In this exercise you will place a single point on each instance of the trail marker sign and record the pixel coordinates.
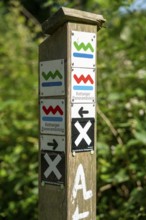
(83, 85)
(52, 116)
(83, 49)
(52, 78)
(52, 143)
(82, 134)
(83, 110)
(52, 167)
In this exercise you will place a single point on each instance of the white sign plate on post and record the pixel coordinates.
(52, 116)
(52, 143)
(83, 85)
(83, 47)
(83, 111)
(52, 78)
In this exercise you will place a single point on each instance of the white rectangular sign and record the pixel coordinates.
(83, 111)
(83, 48)
(52, 78)
(52, 143)
(83, 85)
(52, 116)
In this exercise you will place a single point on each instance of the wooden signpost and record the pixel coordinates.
(67, 97)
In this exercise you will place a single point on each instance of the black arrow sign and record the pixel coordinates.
(53, 144)
(82, 112)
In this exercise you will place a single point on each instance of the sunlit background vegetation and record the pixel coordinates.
(121, 107)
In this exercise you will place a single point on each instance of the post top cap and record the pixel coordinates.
(64, 15)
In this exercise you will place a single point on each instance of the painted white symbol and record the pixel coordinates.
(77, 215)
(52, 166)
(83, 133)
(80, 184)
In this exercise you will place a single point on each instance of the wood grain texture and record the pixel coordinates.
(67, 14)
(87, 159)
(52, 199)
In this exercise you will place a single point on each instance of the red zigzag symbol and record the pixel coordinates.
(83, 78)
(53, 110)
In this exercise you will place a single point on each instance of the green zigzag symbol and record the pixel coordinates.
(46, 76)
(83, 46)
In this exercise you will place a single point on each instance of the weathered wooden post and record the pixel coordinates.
(67, 95)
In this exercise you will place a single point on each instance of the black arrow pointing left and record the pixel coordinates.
(82, 112)
(53, 144)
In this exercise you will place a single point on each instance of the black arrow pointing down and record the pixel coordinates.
(53, 144)
(82, 112)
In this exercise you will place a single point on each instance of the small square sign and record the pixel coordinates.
(52, 143)
(52, 116)
(52, 78)
(52, 168)
(82, 134)
(83, 85)
(81, 110)
(83, 47)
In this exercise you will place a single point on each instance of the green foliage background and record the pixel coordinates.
(121, 108)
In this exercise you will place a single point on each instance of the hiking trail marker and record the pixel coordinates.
(67, 122)
(83, 49)
(83, 85)
(52, 78)
(52, 116)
